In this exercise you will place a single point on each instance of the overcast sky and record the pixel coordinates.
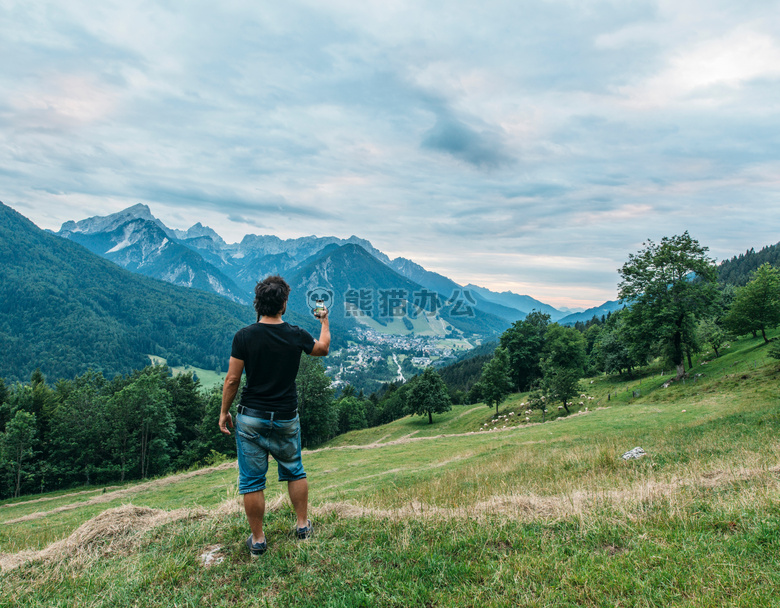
(521, 145)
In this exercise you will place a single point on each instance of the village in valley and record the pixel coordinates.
(373, 358)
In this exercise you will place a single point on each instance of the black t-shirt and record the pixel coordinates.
(271, 354)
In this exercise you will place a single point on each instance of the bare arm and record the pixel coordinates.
(322, 346)
(229, 390)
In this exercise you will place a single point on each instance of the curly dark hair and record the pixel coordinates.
(270, 296)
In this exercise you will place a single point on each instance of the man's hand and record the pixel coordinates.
(225, 420)
(322, 346)
(229, 390)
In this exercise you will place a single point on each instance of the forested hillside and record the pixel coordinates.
(65, 310)
(736, 271)
(461, 375)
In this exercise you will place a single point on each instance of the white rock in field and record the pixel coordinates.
(213, 555)
(635, 453)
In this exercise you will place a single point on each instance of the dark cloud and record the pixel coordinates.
(229, 202)
(241, 219)
(484, 149)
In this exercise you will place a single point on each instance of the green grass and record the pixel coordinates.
(208, 377)
(412, 514)
(422, 325)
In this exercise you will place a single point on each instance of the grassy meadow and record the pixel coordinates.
(208, 377)
(472, 510)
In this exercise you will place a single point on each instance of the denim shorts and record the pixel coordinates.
(255, 439)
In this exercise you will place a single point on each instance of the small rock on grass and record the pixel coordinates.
(635, 453)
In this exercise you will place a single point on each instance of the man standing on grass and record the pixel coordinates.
(267, 421)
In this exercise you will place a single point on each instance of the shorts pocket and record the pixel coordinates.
(287, 428)
(251, 432)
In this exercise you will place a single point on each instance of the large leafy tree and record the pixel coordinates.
(142, 427)
(565, 347)
(319, 418)
(5, 408)
(524, 342)
(756, 306)
(711, 333)
(78, 428)
(494, 383)
(613, 350)
(564, 362)
(561, 383)
(351, 413)
(669, 285)
(209, 441)
(187, 405)
(429, 395)
(17, 447)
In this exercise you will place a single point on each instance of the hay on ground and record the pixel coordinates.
(116, 530)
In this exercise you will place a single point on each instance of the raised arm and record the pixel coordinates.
(322, 346)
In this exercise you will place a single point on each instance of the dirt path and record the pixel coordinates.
(578, 502)
(48, 498)
(400, 377)
(409, 439)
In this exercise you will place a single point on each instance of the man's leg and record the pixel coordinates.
(299, 497)
(254, 506)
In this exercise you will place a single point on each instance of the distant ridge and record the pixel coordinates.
(66, 310)
(587, 315)
(351, 267)
(526, 304)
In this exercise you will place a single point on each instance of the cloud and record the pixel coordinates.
(431, 129)
(230, 202)
(484, 149)
(710, 72)
(537, 190)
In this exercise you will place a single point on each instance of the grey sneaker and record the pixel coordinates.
(305, 532)
(256, 549)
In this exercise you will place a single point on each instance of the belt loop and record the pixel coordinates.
(271, 419)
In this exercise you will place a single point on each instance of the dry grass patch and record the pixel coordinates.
(115, 531)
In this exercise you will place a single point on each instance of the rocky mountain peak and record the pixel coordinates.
(108, 223)
(199, 231)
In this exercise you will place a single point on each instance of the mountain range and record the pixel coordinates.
(65, 310)
(200, 258)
